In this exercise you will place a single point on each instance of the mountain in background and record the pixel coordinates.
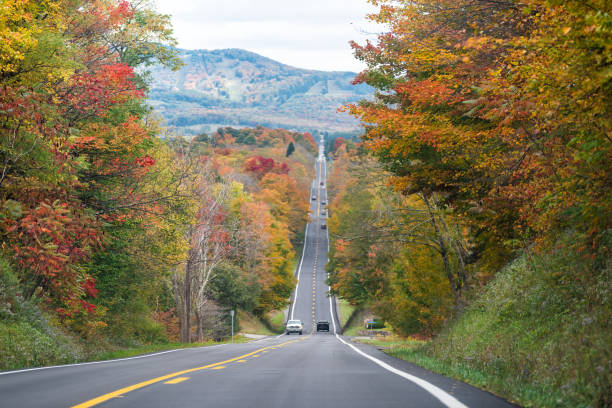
(234, 87)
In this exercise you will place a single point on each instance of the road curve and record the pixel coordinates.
(312, 370)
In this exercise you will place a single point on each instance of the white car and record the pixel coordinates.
(294, 326)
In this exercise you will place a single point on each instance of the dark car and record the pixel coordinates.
(323, 325)
(323, 226)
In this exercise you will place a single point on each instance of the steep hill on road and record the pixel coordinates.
(234, 87)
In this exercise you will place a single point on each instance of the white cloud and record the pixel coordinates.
(307, 34)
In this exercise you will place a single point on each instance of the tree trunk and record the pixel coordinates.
(199, 330)
(186, 326)
(443, 251)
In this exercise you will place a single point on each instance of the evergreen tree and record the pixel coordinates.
(290, 149)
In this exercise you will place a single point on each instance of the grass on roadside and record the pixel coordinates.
(277, 320)
(274, 323)
(415, 351)
(154, 348)
(252, 324)
(345, 310)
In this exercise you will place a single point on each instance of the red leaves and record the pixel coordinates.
(261, 166)
(87, 306)
(308, 137)
(49, 241)
(339, 142)
(90, 287)
(92, 93)
(427, 92)
(118, 15)
(145, 161)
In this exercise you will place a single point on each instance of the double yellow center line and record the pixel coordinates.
(125, 390)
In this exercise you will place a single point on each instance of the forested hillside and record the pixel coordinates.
(112, 237)
(234, 87)
(477, 210)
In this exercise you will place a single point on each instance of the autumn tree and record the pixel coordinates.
(484, 103)
(399, 256)
(75, 146)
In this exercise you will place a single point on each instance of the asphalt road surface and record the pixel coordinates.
(311, 370)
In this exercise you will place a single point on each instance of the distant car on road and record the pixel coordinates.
(294, 326)
(323, 226)
(314, 198)
(322, 325)
(323, 203)
(322, 184)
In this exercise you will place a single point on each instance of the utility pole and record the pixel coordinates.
(232, 314)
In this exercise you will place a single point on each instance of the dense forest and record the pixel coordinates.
(484, 181)
(113, 236)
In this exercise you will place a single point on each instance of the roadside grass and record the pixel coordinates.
(345, 310)
(541, 324)
(276, 318)
(355, 325)
(154, 348)
(392, 342)
(353, 329)
(272, 324)
(252, 324)
(357, 329)
(538, 334)
(525, 393)
(350, 318)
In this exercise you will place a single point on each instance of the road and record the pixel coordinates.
(312, 370)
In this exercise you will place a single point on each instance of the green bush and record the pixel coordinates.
(23, 345)
(150, 332)
(27, 338)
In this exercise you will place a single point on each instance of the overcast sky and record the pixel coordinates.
(306, 33)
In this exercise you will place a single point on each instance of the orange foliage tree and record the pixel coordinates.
(501, 107)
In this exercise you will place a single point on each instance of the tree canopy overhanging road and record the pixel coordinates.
(315, 369)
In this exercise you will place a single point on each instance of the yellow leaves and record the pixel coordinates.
(566, 30)
(20, 29)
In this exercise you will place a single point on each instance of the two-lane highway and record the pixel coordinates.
(312, 370)
(311, 302)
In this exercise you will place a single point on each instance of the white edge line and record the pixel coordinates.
(331, 309)
(107, 361)
(440, 394)
(297, 285)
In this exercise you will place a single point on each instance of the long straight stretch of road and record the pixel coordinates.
(312, 370)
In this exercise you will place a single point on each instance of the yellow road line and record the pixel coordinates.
(121, 391)
(319, 191)
(176, 380)
(241, 361)
(218, 368)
